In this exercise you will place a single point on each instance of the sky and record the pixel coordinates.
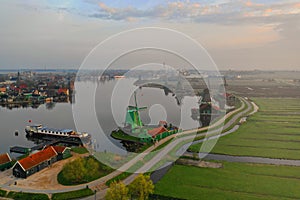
(238, 35)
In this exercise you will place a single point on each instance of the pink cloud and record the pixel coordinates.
(106, 8)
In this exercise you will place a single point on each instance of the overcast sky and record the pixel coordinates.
(241, 34)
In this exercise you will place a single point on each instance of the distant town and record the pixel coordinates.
(24, 88)
(29, 88)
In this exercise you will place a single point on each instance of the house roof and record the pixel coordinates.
(59, 149)
(163, 122)
(227, 95)
(2, 89)
(37, 158)
(4, 158)
(63, 90)
(23, 86)
(209, 106)
(203, 106)
(156, 131)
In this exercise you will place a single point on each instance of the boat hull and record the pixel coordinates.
(37, 131)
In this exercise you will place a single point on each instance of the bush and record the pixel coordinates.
(27, 196)
(2, 193)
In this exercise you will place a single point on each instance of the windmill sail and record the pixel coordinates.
(132, 116)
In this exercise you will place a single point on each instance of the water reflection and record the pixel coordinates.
(59, 114)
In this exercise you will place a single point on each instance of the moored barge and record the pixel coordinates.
(40, 130)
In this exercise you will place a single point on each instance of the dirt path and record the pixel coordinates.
(47, 178)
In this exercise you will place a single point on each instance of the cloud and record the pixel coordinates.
(223, 13)
(107, 9)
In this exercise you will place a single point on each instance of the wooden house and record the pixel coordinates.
(63, 91)
(62, 152)
(156, 134)
(5, 161)
(35, 162)
(2, 90)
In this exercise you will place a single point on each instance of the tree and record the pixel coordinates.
(74, 171)
(141, 187)
(91, 166)
(117, 191)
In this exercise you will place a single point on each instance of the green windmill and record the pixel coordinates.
(132, 115)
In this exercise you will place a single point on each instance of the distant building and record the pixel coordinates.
(38, 161)
(5, 162)
(2, 90)
(207, 113)
(156, 134)
(163, 123)
(157, 131)
(23, 86)
(63, 91)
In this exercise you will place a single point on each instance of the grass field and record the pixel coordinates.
(82, 170)
(272, 132)
(72, 195)
(233, 181)
(79, 150)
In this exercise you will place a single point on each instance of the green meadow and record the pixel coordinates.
(233, 181)
(272, 132)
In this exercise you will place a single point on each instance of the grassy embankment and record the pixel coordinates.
(72, 195)
(26, 196)
(138, 165)
(57, 196)
(79, 150)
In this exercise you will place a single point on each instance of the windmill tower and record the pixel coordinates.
(132, 115)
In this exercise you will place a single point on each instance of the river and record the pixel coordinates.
(60, 115)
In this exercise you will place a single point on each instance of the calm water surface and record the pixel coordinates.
(60, 115)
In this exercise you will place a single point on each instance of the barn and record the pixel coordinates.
(62, 152)
(35, 162)
(5, 161)
(40, 160)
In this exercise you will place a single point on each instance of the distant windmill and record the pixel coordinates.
(132, 116)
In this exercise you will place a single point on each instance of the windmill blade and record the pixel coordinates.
(132, 110)
(142, 108)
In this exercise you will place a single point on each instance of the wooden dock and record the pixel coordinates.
(49, 141)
